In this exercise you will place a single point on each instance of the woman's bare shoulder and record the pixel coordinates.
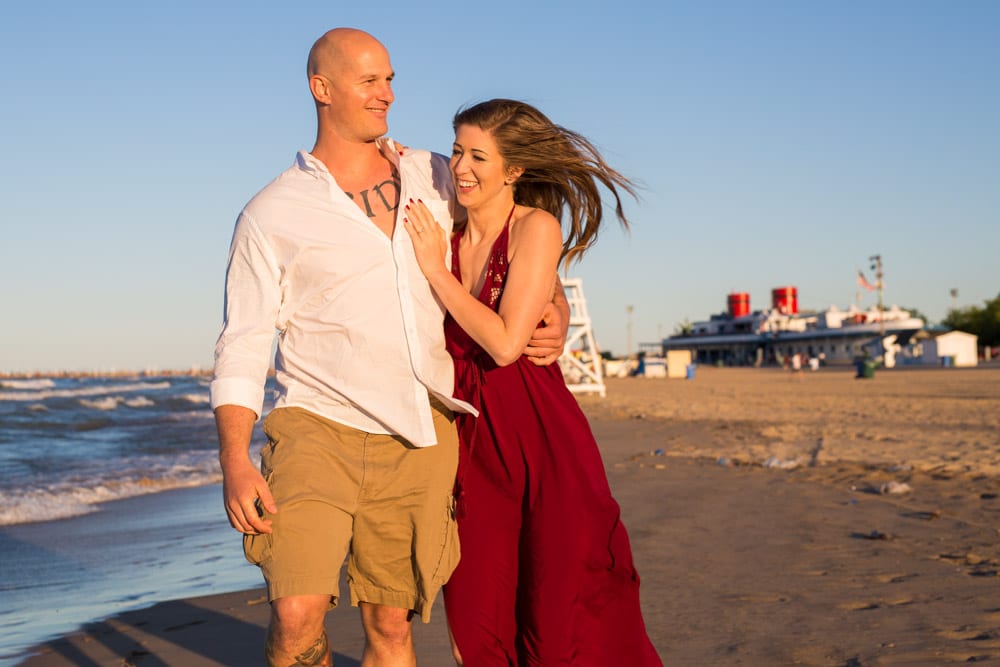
(533, 221)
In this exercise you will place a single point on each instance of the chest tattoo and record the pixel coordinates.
(383, 196)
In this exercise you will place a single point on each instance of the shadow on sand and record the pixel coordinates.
(171, 634)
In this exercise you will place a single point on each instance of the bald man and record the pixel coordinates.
(362, 447)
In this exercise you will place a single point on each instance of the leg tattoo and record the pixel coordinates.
(317, 655)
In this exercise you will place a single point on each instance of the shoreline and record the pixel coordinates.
(740, 563)
(131, 553)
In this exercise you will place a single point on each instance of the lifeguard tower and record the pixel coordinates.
(581, 360)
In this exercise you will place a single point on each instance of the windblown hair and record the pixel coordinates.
(562, 169)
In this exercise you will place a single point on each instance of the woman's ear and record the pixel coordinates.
(513, 173)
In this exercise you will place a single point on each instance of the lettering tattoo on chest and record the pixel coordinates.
(384, 196)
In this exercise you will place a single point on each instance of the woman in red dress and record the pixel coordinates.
(546, 575)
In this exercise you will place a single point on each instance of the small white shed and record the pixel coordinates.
(677, 363)
(954, 348)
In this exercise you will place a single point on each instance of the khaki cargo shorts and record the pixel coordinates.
(374, 499)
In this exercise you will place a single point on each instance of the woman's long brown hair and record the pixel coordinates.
(562, 169)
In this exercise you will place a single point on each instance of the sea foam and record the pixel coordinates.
(96, 390)
(69, 498)
(40, 383)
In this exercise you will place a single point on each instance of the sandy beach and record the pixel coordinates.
(776, 519)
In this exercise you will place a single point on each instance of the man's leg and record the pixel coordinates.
(388, 636)
(313, 470)
(405, 542)
(297, 634)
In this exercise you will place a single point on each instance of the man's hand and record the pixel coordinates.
(244, 490)
(549, 339)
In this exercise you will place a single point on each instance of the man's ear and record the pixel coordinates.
(320, 88)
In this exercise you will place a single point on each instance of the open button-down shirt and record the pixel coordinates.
(360, 332)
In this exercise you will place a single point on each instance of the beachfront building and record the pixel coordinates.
(946, 348)
(741, 337)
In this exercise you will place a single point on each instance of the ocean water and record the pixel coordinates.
(67, 445)
(109, 500)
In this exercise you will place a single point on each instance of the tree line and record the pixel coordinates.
(983, 322)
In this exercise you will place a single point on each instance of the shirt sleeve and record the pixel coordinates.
(252, 301)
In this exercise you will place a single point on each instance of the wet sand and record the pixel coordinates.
(776, 519)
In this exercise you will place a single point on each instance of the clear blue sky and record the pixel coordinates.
(778, 143)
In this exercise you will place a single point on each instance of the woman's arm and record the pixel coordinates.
(548, 342)
(535, 244)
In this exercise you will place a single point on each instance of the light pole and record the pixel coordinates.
(876, 261)
(628, 332)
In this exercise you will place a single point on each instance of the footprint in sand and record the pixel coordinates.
(895, 578)
(978, 566)
(760, 598)
(859, 606)
(920, 657)
(817, 573)
(983, 572)
(968, 633)
(872, 535)
(902, 602)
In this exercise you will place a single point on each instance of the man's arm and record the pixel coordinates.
(241, 359)
(549, 339)
(242, 484)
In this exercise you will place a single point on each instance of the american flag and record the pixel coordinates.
(863, 282)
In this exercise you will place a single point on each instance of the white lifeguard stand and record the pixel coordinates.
(581, 360)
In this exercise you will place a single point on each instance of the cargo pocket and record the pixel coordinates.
(450, 548)
(257, 548)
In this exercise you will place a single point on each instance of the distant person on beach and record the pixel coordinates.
(796, 366)
(362, 447)
(546, 575)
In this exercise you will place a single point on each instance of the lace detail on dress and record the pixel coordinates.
(496, 265)
(497, 272)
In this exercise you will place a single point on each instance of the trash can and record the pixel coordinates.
(866, 368)
(947, 361)
(690, 372)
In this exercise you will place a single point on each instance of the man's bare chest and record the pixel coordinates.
(377, 197)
